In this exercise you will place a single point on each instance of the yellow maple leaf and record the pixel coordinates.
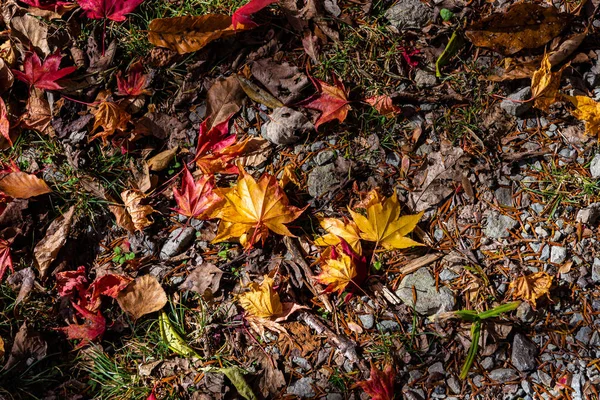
(384, 225)
(253, 208)
(337, 228)
(338, 273)
(261, 301)
(531, 287)
(587, 110)
(545, 84)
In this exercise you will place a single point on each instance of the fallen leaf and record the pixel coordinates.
(28, 346)
(204, 277)
(114, 10)
(162, 160)
(72, 282)
(384, 106)
(123, 219)
(188, 34)
(380, 385)
(224, 98)
(29, 29)
(341, 267)
(531, 287)
(253, 208)
(24, 279)
(172, 339)
(48, 4)
(261, 301)
(143, 296)
(136, 82)
(22, 185)
(137, 211)
(545, 85)
(107, 285)
(285, 81)
(586, 109)
(38, 115)
(196, 199)
(234, 374)
(47, 249)
(522, 26)
(7, 78)
(338, 228)
(92, 328)
(5, 258)
(43, 76)
(258, 94)
(241, 17)
(566, 48)
(331, 101)
(384, 225)
(110, 117)
(4, 123)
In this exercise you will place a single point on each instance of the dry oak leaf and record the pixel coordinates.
(47, 249)
(331, 101)
(338, 228)
(384, 106)
(188, 34)
(545, 85)
(115, 10)
(522, 26)
(110, 117)
(93, 328)
(531, 287)
(21, 185)
(588, 110)
(380, 385)
(384, 225)
(43, 76)
(143, 296)
(196, 199)
(253, 208)
(138, 212)
(261, 301)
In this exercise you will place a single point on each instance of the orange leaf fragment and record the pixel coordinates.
(531, 287)
(111, 118)
(137, 211)
(384, 105)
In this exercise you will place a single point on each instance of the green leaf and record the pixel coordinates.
(235, 376)
(377, 265)
(446, 14)
(117, 250)
(496, 311)
(467, 315)
(475, 334)
(170, 336)
(454, 45)
(130, 256)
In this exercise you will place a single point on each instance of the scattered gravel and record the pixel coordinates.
(519, 106)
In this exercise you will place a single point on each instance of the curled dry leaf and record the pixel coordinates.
(47, 249)
(143, 296)
(261, 301)
(188, 34)
(522, 26)
(162, 160)
(22, 185)
(111, 118)
(588, 110)
(137, 212)
(4, 123)
(531, 287)
(5, 258)
(545, 84)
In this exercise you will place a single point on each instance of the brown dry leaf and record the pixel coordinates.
(162, 160)
(47, 249)
(203, 278)
(22, 185)
(141, 175)
(254, 152)
(566, 48)
(588, 110)
(189, 34)
(531, 287)
(38, 115)
(224, 98)
(29, 29)
(261, 301)
(6, 76)
(29, 346)
(545, 85)
(522, 26)
(137, 212)
(122, 217)
(258, 94)
(7, 53)
(143, 296)
(110, 117)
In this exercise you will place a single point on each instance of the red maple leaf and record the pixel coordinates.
(384, 105)
(47, 4)
(196, 199)
(92, 328)
(107, 285)
(114, 10)
(4, 123)
(216, 148)
(136, 82)
(213, 139)
(5, 258)
(241, 17)
(72, 282)
(331, 101)
(408, 54)
(380, 385)
(43, 76)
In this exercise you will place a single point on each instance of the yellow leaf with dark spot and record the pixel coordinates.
(261, 301)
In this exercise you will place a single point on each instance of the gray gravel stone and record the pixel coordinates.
(596, 270)
(498, 226)
(595, 166)
(429, 301)
(454, 385)
(525, 312)
(523, 353)
(302, 388)
(503, 375)
(409, 14)
(514, 108)
(286, 126)
(584, 334)
(177, 242)
(367, 320)
(558, 254)
(322, 179)
(588, 215)
(388, 326)
(545, 254)
(425, 79)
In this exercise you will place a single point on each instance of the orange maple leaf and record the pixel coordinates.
(331, 101)
(196, 199)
